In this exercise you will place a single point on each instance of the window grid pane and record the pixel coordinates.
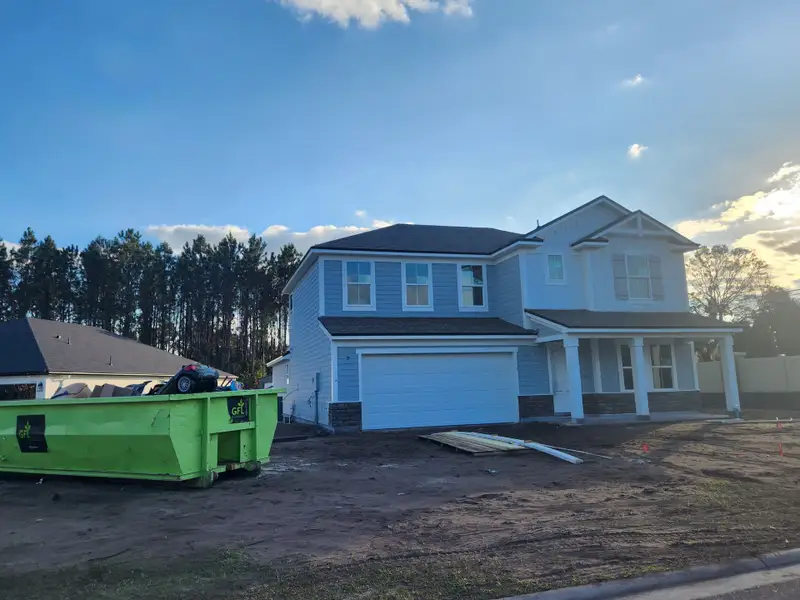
(662, 378)
(627, 377)
(555, 266)
(417, 295)
(639, 288)
(638, 266)
(625, 352)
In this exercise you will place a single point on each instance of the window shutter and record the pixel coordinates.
(656, 278)
(620, 277)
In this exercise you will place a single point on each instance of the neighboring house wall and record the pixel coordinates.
(445, 288)
(311, 355)
(280, 375)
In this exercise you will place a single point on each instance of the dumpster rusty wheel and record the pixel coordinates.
(203, 482)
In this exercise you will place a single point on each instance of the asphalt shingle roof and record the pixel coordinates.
(436, 239)
(37, 346)
(399, 326)
(590, 319)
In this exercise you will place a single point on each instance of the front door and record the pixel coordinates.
(558, 363)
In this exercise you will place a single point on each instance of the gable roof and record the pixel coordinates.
(597, 235)
(415, 326)
(39, 347)
(429, 239)
(599, 200)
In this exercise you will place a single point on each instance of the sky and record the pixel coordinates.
(305, 120)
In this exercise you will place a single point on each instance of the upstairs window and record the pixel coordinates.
(359, 285)
(555, 269)
(417, 286)
(473, 287)
(637, 267)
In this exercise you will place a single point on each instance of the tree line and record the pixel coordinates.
(734, 284)
(219, 304)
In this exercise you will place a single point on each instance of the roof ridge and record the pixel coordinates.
(36, 343)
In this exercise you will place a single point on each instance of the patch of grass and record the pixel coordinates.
(233, 576)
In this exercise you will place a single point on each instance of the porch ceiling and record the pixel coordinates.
(590, 319)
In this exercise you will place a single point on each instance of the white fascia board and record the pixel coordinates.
(279, 360)
(432, 350)
(432, 338)
(545, 323)
(662, 332)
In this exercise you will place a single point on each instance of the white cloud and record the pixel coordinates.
(634, 81)
(766, 221)
(692, 228)
(786, 170)
(636, 150)
(177, 235)
(275, 235)
(361, 214)
(10, 245)
(371, 14)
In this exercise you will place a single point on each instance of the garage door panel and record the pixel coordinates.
(438, 389)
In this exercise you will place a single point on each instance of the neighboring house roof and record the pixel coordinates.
(590, 319)
(429, 239)
(39, 347)
(597, 235)
(413, 326)
(277, 361)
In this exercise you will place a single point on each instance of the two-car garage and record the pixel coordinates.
(437, 387)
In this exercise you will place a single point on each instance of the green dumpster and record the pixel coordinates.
(168, 438)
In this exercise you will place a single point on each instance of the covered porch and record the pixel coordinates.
(630, 364)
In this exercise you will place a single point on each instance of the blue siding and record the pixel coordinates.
(502, 281)
(348, 375)
(333, 288)
(505, 291)
(587, 369)
(445, 290)
(534, 377)
(311, 353)
(684, 365)
(609, 366)
(388, 289)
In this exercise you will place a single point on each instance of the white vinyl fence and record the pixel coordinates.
(756, 375)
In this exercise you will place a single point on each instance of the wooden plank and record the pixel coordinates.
(471, 445)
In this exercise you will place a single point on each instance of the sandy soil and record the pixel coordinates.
(700, 493)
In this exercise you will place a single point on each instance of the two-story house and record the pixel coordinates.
(416, 325)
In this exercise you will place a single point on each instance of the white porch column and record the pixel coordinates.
(640, 379)
(574, 375)
(729, 377)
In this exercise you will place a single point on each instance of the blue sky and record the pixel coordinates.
(308, 119)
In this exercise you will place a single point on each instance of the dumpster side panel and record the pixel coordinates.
(156, 437)
(132, 439)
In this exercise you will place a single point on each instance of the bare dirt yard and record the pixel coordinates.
(390, 516)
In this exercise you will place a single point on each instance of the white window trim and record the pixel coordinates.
(417, 307)
(459, 285)
(547, 279)
(649, 278)
(648, 355)
(358, 307)
(621, 369)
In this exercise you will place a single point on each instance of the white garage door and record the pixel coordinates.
(428, 390)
